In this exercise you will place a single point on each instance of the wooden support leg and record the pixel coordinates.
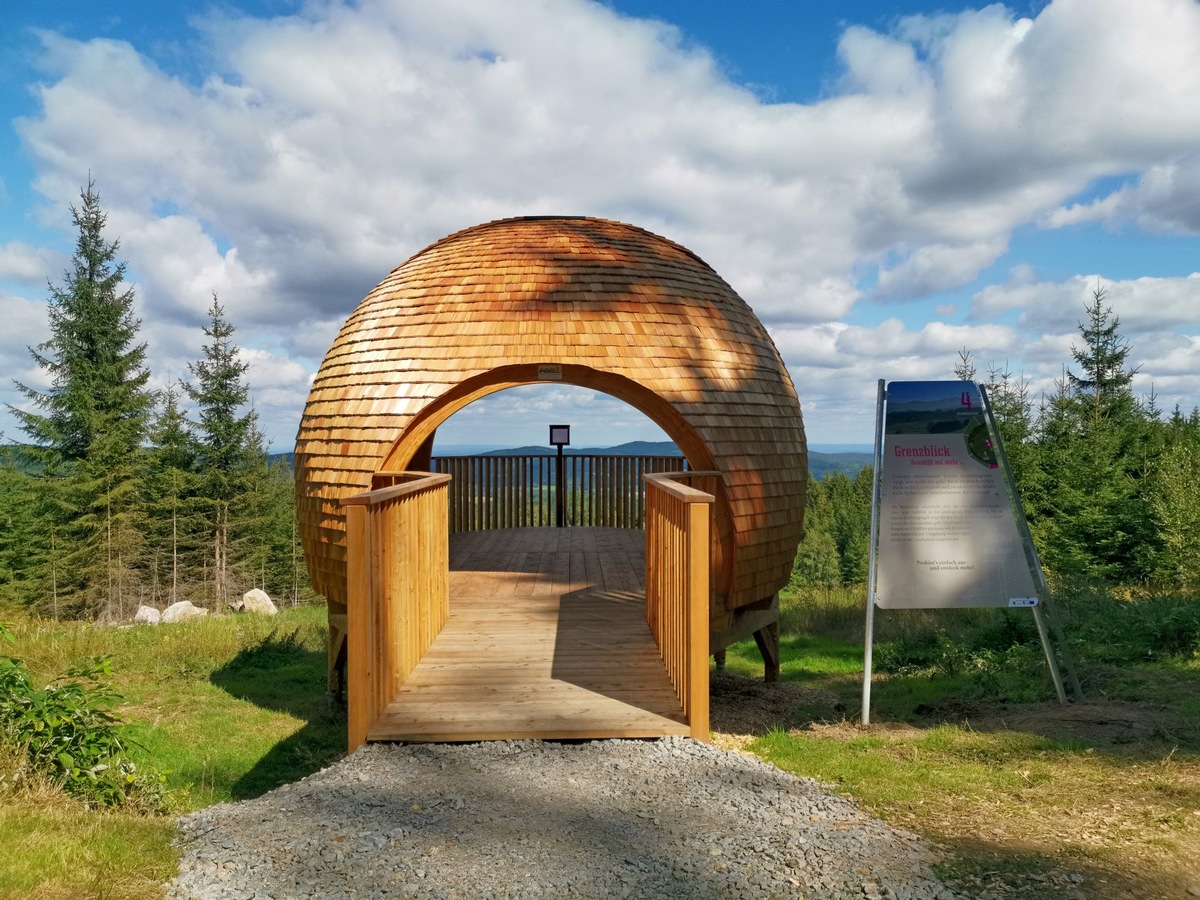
(767, 639)
(337, 662)
(719, 656)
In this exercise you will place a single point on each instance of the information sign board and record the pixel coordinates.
(947, 528)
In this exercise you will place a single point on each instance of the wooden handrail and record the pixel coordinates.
(678, 564)
(389, 485)
(602, 490)
(398, 591)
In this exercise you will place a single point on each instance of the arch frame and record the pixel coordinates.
(412, 447)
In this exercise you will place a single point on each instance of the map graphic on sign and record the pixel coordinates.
(948, 533)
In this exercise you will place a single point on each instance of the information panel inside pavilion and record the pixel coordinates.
(948, 534)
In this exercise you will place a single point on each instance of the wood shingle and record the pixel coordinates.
(621, 310)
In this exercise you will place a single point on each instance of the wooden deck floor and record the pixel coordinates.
(547, 638)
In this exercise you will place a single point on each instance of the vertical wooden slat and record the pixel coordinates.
(697, 617)
(358, 631)
(677, 589)
(397, 545)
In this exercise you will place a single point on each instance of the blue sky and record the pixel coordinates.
(884, 182)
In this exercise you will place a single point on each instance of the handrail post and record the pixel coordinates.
(698, 607)
(397, 588)
(678, 566)
(359, 593)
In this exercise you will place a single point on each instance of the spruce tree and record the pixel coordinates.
(1104, 385)
(1096, 446)
(964, 369)
(20, 547)
(817, 563)
(174, 534)
(228, 451)
(89, 426)
(1176, 503)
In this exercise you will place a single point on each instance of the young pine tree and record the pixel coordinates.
(229, 451)
(174, 537)
(1095, 450)
(88, 428)
(1103, 387)
(1176, 501)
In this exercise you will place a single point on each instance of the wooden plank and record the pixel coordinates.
(678, 564)
(359, 666)
(566, 659)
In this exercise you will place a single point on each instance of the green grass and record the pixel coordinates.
(967, 745)
(969, 748)
(50, 848)
(805, 658)
(226, 707)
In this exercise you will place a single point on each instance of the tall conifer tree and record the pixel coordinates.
(1095, 451)
(174, 532)
(88, 427)
(229, 449)
(1104, 385)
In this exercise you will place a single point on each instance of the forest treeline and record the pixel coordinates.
(1109, 482)
(120, 495)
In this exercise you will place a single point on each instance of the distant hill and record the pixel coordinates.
(821, 464)
(10, 454)
(633, 448)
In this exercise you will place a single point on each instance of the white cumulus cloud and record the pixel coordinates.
(314, 152)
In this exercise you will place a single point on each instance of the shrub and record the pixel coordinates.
(68, 733)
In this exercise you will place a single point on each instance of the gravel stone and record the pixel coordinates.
(511, 820)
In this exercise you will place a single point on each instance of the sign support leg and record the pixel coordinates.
(1068, 660)
(868, 640)
(1051, 661)
(1035, 565)
(869, 630)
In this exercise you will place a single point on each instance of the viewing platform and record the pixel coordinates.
(537, 634)
(546, 638)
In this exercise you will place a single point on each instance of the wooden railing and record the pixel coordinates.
(398, 593)
(678, 568)
(602, 491)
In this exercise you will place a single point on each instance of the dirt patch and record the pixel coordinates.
(1099, 724)
(1112, 724)
(750, 706)
(1116, 816)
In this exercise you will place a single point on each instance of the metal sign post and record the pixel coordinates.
(560, 436)
(869, 634)
(947, 528)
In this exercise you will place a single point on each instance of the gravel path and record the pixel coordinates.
(672, 818)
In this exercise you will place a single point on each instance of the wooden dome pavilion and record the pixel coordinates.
(594, 303)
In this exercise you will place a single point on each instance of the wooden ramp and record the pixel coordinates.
(547, 638)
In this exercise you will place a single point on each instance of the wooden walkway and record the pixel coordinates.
(547, 638)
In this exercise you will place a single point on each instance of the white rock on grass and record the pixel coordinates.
(147, 615)
(256, 601)
(182, 611)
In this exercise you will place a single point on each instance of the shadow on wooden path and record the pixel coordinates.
(547, 638)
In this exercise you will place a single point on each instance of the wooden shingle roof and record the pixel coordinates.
(620, 310)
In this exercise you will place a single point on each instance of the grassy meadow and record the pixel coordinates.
(968, 748)
(226, 708)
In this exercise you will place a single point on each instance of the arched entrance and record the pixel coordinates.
(593, 303)
(413, 449)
